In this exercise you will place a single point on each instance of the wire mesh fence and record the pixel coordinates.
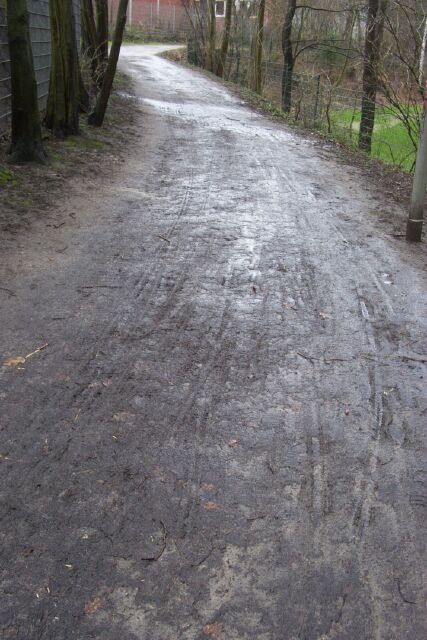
(41, 46)
(4, 70)
(318, 103)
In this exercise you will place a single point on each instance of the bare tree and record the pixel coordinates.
(26, 142)
(211, 40)
(371, 62)
(89, 36)
(96, 118)
(258, 49)
(225, 37)
(62, 112)
(102, 36)
(288, 55)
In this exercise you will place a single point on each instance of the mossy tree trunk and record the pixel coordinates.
(225, 38)
(259, 37)
(371, 62)
(62, 113)
(96, 118)
(26, 142)
(288, 56)
(102, 37)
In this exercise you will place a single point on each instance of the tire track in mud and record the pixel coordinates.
(78, 402)
(365, 487)
(217, 363)
(375, 315)
(298, 284)
(149, 287)
(315, 489)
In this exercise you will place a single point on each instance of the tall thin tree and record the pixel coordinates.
(371, 61)
(89, 35)
(96, 118)
(258, 48)
(211, 40)
(26, 142)
(62, 112)
(288, 56)
(102, 36)
(225, 37)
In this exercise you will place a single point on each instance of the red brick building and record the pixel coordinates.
(161, 16)
(166, 17)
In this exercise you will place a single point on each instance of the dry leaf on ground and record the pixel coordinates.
(93, 605)
(212, 630)
(209, 506)
(13, 362)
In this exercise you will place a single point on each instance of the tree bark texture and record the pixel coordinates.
(102, 36)
(96, 118)
(259, 37)
(211, 44)
(26, 142)
(225, 38)
(288, 56)
(89, 35)
(62, 113)
(371, 61)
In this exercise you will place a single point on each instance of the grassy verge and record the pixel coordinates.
(391, 141)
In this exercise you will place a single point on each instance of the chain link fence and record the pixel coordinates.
(334, 109)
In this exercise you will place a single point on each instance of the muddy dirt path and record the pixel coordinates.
(224, 437)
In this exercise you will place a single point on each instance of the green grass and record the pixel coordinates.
(391, 142)
(7, 177)
(82, 142)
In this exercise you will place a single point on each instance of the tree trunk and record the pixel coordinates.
(26, 142)
(414, 225)
(211, 36)
(89, 36)
(84, 99)
(62, 112)
(96, 118)
(259, 36)
(288, 56)
(371, 61)
(225, 38)
(102, 36)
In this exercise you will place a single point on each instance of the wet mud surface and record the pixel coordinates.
(225, 436)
